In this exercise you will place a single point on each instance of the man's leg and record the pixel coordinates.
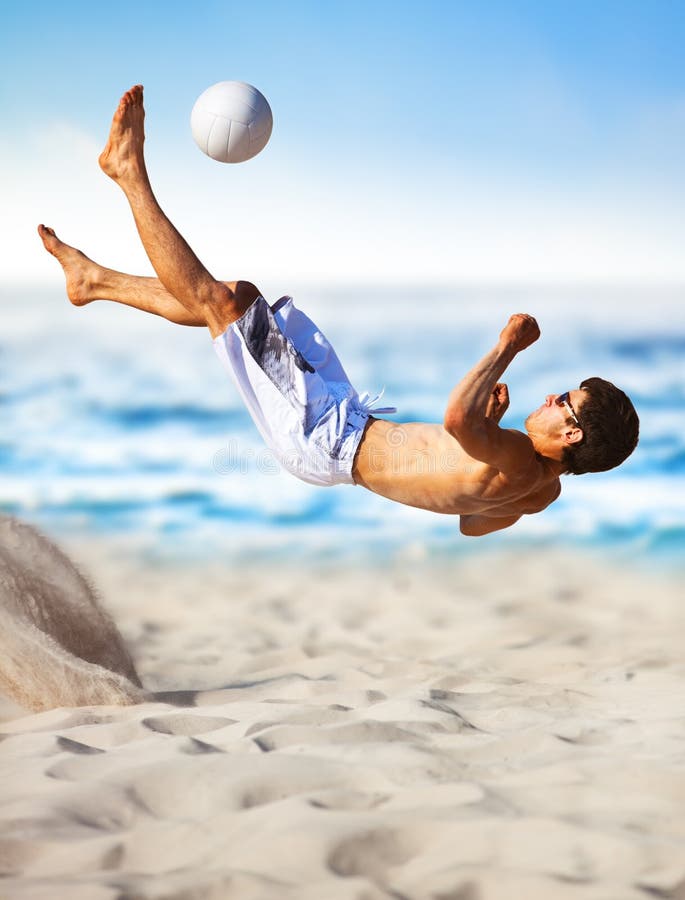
(179, 270)
(88, 281)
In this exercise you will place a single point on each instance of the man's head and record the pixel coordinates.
(591, 429)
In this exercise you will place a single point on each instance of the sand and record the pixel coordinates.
(492, 727)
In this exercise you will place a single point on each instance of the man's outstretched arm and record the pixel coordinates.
(466, 416)
(498, 403)
(477, 526)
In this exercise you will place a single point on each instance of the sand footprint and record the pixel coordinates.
(458, 722)
(348, 800)
(353, 733)
(194, 747)
(370, 854)
(186, 725)
(76, 747)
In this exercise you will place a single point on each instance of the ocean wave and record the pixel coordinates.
(102, 437)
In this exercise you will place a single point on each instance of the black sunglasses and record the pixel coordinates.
(563, 400)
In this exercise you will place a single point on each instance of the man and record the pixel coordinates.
(301, 400)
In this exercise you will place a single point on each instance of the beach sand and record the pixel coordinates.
(492, 727)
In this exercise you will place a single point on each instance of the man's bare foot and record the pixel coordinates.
(122, 158)
(81, 272)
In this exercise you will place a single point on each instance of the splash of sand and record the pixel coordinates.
(58, 647)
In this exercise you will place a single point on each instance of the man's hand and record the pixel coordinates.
(479, 400)
(498, 403)
(520, 332)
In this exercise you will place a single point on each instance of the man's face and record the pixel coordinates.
(551, 418)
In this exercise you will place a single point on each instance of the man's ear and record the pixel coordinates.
(573, 435)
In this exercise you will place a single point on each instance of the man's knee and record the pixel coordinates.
(228, 301)
(245, 293)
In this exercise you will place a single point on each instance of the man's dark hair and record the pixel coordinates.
(610, 429)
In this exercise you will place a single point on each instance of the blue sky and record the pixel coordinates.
(434, 141)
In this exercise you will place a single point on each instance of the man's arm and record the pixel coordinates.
(466, 416)
(498, 403)
(477, 526)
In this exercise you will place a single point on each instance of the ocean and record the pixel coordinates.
(120, 425)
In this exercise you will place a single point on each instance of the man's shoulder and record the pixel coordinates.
(524, 467)
(524, 495)
(518, 458)
(542, 497)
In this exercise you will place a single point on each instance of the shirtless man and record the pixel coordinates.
(301, 400)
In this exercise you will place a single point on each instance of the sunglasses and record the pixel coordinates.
(563, 400)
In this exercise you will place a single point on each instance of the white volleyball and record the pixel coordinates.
(231, 121)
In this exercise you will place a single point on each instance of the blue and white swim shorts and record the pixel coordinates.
(296, 391)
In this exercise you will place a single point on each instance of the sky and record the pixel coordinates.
(529, 141)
